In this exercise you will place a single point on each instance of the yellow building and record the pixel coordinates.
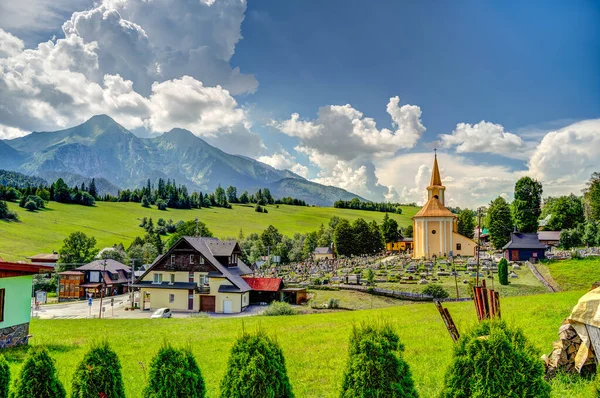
(399, 246)
(323, 253)
(197, 274)
(435, 227)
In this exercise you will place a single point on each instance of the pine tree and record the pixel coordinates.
(4, 377)
(495, 361)
(173, 374)
(375, 366)
(503, 271)
(38, 377)
(256, 368)
(98, 374)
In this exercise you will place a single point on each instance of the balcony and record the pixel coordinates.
(203, 289)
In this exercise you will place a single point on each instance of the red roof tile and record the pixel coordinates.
(264, 284)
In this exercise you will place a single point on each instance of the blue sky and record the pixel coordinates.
(519, 64)
(504, 89)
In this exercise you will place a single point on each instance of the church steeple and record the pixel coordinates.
(435, 188)
(436, 180)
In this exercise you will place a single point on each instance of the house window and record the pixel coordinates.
(172, 259)
(201, 260)
(171, 298)
(172, 279)
(157, 278)
(191, 277)
(2, 294)
(204, 280)
(233, 259)
(191, 259)
(458, 246)
(95, 276)
(62, 288)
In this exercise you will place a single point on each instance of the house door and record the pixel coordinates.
(227, 306)
(207, 303)
(515, 255)
(190, 300)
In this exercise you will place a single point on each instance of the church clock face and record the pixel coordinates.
(433, 232)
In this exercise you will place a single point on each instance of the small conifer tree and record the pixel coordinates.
(38, 377)
(98, 374)
(494, 361)
(4, 377)
(174, 373)
(256, 368)
(503, 272)
(375, 366)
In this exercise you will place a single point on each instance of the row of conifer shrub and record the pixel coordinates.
(493, 360)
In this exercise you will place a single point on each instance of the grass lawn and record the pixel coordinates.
(354, 300)
(525, 284)
(572, 274)
(315, 346)
(112, 223)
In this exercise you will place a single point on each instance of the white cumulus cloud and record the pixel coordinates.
(485, 137)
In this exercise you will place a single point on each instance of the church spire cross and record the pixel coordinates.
(436, 179)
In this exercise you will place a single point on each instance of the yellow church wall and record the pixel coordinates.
(427, 243)
(467, 246)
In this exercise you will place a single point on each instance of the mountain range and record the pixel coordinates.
(103, 149)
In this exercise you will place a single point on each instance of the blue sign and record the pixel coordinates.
(90, 302)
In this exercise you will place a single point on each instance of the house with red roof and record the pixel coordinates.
(264, 290)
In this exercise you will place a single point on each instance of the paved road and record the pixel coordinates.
(81, 310)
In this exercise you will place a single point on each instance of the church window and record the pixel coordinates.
(435, 196)
(433, 232)
(458, 246)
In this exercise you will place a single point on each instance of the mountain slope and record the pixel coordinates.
(102, 148)
(9, 157)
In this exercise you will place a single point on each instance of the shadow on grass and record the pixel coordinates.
(17, 354)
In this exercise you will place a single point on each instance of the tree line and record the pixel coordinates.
(492, 360)
(577, 217)
(357, 204)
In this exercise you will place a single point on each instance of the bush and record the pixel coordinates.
(4, 377)
(174, 373)
(38, 377)
(161, 204)
(494, 360)
(6, 214)
(256, 368)
(258, 209)
(98, 374)
(279, 308)
(503, 272)
(145, 201)
(31, 206)
(375, 366)
(437, 291)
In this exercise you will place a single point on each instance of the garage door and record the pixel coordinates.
(207, 303)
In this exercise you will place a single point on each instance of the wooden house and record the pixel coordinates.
(401, 245)
(549, 238)
(105, 277)
(69, 285)
(16, 281)
(524, 247)
(197, 274)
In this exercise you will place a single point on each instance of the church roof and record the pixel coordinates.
(434, 208)
(436, 180)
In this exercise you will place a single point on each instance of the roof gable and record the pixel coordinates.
(520, 240)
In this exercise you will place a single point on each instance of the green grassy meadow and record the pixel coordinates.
(315, 346)
(572, 274)
(112, 223)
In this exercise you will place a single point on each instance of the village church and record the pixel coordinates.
(435, 228)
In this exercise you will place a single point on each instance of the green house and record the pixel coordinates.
(15, 301)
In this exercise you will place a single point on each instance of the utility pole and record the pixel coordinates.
(102, 291)
(478, 242)
(131, 286)
(455, 277)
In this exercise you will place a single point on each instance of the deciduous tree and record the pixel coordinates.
(527, 204)
(499, 221)
(77, 249)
